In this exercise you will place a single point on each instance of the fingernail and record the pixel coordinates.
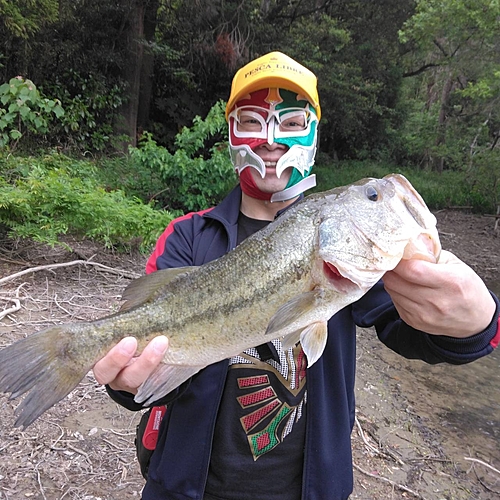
(160, 344)
(128, 345)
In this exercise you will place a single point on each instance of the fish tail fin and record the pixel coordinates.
(42, 365)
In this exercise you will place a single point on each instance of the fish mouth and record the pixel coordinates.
(336, 279)
(426, 245)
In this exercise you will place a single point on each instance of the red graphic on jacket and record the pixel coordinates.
(269, 419)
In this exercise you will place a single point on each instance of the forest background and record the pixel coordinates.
(111, 112)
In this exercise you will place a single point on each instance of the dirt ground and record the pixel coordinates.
(82, 448)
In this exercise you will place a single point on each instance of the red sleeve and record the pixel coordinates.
(162, 240)
(496, 339)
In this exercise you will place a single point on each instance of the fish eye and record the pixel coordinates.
(371, 193)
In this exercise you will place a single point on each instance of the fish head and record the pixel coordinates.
(366, 228)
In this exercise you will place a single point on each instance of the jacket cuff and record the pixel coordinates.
(470, 348)
(125, 399)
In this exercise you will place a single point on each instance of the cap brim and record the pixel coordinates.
(274, 70)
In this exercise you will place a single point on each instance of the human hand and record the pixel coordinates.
(123, 371)
(447, 298)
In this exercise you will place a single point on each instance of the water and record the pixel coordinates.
(461, 402)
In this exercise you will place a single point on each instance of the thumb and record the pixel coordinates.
(448, 258)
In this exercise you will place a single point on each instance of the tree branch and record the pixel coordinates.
(423, 68)
(120, 272)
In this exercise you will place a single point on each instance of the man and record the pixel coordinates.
(263, 425)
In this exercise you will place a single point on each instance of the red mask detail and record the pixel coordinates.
(249, 187)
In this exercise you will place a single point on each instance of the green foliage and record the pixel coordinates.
(199, 173)
(23, 108)
(44, 198)
(91, 106)
(483, 177)
(25, 17)
(452, 22)
(452, 56)
(478, 188)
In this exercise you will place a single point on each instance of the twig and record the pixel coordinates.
(17, 303)
(112, 444)
(13, 309)
(430, 459)
(121, 272)
(65, 310)
(392, 483)
(362, 434)
(10, 261)
(81, 452)
(482, 463)
(377, 451)
(40, 481)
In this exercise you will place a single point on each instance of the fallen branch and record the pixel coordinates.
(120, 272)
(362, 434)
(11, 261)
(39, 479)
(392, 483)
(482, 463)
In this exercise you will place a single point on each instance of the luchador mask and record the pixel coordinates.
(273, 114)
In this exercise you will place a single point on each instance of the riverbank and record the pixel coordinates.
(416, 424)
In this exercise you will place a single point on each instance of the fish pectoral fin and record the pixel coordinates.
(144, 289)
(163, 380)
(313, 339)
(294, 311)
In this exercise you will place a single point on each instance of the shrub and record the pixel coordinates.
(478, 188)
(44, 198)
(199, 173)
(24, 109)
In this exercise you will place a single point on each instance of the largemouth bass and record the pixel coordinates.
(285, 281)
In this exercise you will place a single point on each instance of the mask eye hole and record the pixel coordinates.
(371, 193)
(249, 121)
(292, 121)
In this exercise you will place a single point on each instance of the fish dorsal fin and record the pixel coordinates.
(145, 288)
(294, 311)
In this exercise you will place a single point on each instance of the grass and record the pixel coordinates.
(450, 188)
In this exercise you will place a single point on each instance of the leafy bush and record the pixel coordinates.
(199, 173)
(23, 109)
(478, 188)
(43, 198)
(91, 106)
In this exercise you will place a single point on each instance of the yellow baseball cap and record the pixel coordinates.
(274, 70)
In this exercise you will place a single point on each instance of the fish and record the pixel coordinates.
(284, 282)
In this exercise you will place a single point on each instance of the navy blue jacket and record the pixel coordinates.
(179, 465)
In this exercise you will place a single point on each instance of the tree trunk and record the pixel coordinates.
(146, 84)
(132, 72)
(441, 131)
